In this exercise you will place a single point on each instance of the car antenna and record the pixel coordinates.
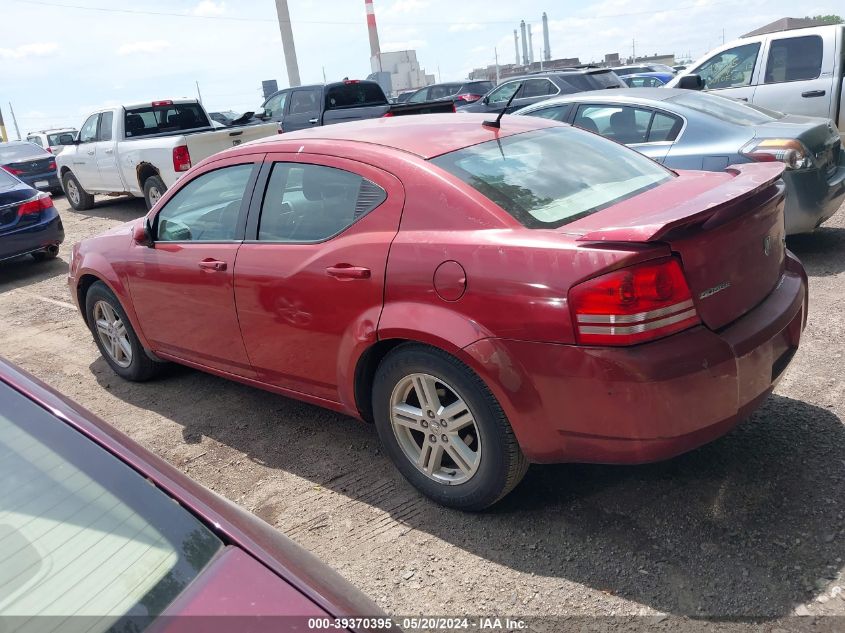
(497, 123)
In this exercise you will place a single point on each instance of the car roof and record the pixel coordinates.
(617, 95)
(425, 135)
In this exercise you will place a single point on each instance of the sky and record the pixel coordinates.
(69, 57)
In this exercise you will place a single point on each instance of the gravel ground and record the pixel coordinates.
(751, 525)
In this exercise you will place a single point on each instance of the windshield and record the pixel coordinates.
(550, 177)
(84, 534)
(169, 118)
(726, 109)
(9, 152)
(354, 95)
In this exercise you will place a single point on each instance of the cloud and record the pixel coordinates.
(404, 7)
(209, 8)
(465, 26)
(403, 46)
(151, 46)
(36, 49)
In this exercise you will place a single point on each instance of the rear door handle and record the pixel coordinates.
(213, 264)
(347, 271)
(813, 93)
(742, 98)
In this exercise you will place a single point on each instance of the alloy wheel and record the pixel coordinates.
(72, 191)
(112, 334)
(154, 195)
(435, 428)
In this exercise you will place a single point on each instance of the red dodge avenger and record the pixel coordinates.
(487, 296)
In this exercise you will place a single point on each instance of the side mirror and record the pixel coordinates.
(142, 234)
(262, 114)
(66, 139)
(690, 82)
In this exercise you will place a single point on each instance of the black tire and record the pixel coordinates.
(81, 202)
(502, 464)
(141, 367)
(46, 255)
(151, 184)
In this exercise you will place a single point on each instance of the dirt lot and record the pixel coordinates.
(752, 525)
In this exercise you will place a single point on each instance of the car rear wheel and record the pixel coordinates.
(154, 189)
(444, 429)
(79, 199)
(115, 337)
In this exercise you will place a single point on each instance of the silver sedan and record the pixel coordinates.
(684, 129)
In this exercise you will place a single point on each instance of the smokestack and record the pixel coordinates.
(524, 44)
(547, 49)
(530, 46)
(287, 43)
(375, 49)
(516, 45)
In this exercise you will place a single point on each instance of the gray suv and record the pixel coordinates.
(543, 85)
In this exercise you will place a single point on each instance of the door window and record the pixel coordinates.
(419, 96)
(206, 209)
(105, 126)
(504, 92)
(311, 203)
(731, 68)
(794, 59)
(538, 88)
(623, 124)
(88, 132)
(303, 101)
(555, 113)
(275, 105)
(664, 127)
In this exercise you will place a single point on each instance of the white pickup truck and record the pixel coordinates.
(793, 70)
(143, 148)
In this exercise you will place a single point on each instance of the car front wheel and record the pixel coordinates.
(444, 429)
(79, 199)
(115, 337)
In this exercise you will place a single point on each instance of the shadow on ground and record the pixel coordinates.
(120, 208)
(23, 271)
(746, 526)
(821, 252)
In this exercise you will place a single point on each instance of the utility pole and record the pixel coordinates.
(633, 51)
(495, 54)
(14, 120)
(723, 37)
(287, 43)
(199, 94)
(324, 75)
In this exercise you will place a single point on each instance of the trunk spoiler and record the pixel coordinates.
(709, 209)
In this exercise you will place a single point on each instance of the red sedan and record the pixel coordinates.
(489, 297)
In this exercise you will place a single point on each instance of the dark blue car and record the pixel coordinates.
(32, 164)
(29, 223)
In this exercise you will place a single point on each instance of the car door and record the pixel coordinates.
(182, 287)
(303, 109)
(797, 76)
(108, 170)
(309, 282)
(84, 161)
(733, 72)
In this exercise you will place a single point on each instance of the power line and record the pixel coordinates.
(344, 23)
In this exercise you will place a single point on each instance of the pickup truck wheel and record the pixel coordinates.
(79, 199)
(154, 189)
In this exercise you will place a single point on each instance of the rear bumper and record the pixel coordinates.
(50, 177)
(48, 232)
(648, 402)
(812, 198)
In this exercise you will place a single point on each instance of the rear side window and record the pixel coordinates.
(82, 533)
(106, 122)
(664, 127)
(591, 81)
(354, 94)
(794, 59)
(550, 177)
(304, 101)
(443, 91)
(538, 88)
(169, 118)
(311, 203)
(36, 140)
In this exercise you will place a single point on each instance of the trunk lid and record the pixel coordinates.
(726, 227)
(818, 135)
(35, 165)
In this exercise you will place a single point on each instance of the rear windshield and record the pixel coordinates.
(726, 109)
(479, 87)
(591, 81)
(82, 534)
(164, 119)
(53, 139)
(548, 178)
(10, 152)
(354, 95)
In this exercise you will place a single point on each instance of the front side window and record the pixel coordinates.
(311, 203)
(84, 536)
(106, 120)
(88, 132)
(275, 105)
(551, 177)
(732, 68)
(504, 92)
(794, 59)
(206, 209)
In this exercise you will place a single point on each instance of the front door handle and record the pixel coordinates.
(813, 93)
(347, 271)
(213, 264)
(742, 98)
(314, 121)
(109, 151)
(90, 152)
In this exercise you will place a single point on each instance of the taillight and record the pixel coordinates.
(468, 97)
(36, 205)
(387, 114)
(12, 170)
(789, 151)
(48, 149)
(181, 158)
(52, 165)
(632, 305)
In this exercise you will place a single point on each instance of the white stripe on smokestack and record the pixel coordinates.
(375, 48)
(547, 49)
